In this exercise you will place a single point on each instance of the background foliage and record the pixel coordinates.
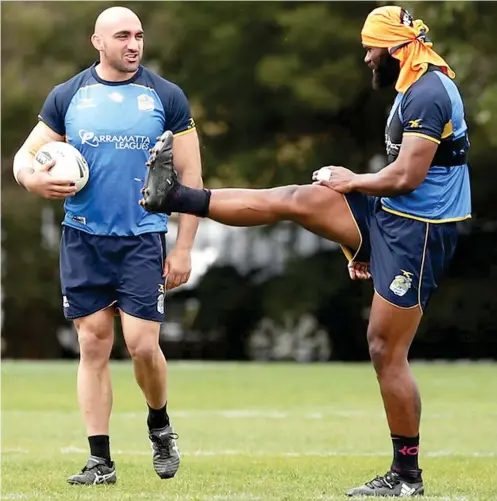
(277, 89)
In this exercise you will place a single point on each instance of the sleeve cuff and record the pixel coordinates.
(183, 132)
(424, 136)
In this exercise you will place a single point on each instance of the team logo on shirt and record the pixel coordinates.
(116, 97)
(160, 299)
(401, 283)
(145, 102)
(391, 147)
(121, 142)
(415, 124)
(86, 102)
(88, 137)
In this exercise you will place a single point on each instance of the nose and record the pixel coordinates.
(367, 58)
(133, 45)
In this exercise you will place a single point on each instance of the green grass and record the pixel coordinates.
(295, 432)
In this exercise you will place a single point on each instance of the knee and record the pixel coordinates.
(387, 356)
(144, 351)
(379, 351)
(95, 343)
(308, 200)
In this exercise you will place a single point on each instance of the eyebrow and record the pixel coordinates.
(127, 32)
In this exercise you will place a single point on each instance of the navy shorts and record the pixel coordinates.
(407, 257)
(99, 271)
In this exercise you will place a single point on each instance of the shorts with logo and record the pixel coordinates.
(100, 271)
(407, 257)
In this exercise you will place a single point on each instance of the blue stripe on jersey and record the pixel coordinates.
(458, 122)
(445, 194)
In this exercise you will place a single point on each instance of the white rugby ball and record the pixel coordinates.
(69, 163)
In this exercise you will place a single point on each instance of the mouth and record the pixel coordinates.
(131, 58)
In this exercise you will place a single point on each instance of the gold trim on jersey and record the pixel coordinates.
(448, 130)
(396, 305)
(346, 250)
(186, 131)
(420, 283)
(424, 136)
(424, 219)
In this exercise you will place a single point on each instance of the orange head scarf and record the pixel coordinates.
(394, 29)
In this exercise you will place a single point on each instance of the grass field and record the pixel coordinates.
(250, 432)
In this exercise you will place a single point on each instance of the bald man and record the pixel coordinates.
(113, 254)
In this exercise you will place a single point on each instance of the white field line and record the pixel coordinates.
(14, 450)
(238, 414)
(148, 496)
(233, 452)
(213, 497)
(328, 453)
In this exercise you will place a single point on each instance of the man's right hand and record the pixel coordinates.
(44, 185)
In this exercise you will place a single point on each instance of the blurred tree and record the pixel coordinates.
(277, 89)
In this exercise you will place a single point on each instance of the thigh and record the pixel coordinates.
(408, 258)
(86, 275)
(391, 329)
(362, 209)
(440, 249)
(139, 335)
(329, 214)
(95, 329)
(141, 288)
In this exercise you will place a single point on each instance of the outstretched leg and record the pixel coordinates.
(316, 208)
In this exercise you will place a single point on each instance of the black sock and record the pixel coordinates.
(405, 455)
(100, 447)
(157, 418)
(189, 200)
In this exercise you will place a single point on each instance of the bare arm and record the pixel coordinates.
(186, 155)
(187, 161)
(402, 176)
(40, 182)
(23, 159)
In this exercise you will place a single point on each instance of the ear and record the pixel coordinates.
(97, 42)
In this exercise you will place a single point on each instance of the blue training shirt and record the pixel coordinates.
(432, 108)
(114, 124)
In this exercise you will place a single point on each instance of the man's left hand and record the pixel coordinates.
(358, 270)
(337, 178)
(177, 268)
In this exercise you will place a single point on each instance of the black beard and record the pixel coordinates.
(387, 73)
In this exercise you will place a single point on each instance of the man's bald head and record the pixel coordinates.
(118, 37)
(115, 17)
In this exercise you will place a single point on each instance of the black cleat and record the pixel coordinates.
(161, 177)
(166, 456)
(96, 471)
(390, 485)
